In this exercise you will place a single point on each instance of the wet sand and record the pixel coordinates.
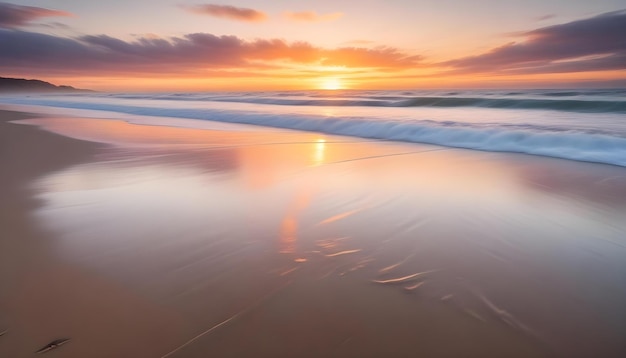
(151, 241)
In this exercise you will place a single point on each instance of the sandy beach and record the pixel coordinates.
(151, 241)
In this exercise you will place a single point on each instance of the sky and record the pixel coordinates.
(254, 45)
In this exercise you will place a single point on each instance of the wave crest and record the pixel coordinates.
(594, 145)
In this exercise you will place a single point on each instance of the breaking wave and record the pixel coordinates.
(600, 139)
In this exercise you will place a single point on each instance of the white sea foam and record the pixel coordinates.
(593, 137)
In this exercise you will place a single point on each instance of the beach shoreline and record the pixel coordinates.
(43, 298)
(147, 241)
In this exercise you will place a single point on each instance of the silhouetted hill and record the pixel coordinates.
(12, 85)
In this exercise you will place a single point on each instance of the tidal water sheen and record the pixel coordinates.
(303, 244)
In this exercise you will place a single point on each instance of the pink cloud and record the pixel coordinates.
(311, 16)
(227, 12)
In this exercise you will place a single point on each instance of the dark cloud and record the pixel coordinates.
(227, 11)
(55, 25)
(592, 44)
(616, 61)
(198, 52)
(14, 16)
(545, 17)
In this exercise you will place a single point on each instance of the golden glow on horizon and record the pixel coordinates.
(332, 84)
(374, 80)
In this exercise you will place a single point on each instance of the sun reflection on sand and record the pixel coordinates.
(288, 234)
(320, 150)
(289, 224)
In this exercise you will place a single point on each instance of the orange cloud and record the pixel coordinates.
(227, 12)
(359, 42)
(379, 57)
(311, 16)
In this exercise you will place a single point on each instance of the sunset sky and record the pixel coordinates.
(182, 45)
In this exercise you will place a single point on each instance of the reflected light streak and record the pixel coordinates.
(288, 232)
(289, 225)
(339, 216)
(320, 152)
(329, 112)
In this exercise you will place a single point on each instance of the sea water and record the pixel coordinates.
(584, 125)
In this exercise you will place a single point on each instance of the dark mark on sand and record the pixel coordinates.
(54, 344)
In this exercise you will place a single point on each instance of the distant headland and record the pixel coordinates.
(20, 85)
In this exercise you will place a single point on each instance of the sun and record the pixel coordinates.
(331, 84)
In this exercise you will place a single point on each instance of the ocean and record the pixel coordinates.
(582, 125)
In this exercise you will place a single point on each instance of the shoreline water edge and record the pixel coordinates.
(583, 125)
(142, 236)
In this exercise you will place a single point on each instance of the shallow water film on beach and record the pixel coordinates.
(279, 243)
